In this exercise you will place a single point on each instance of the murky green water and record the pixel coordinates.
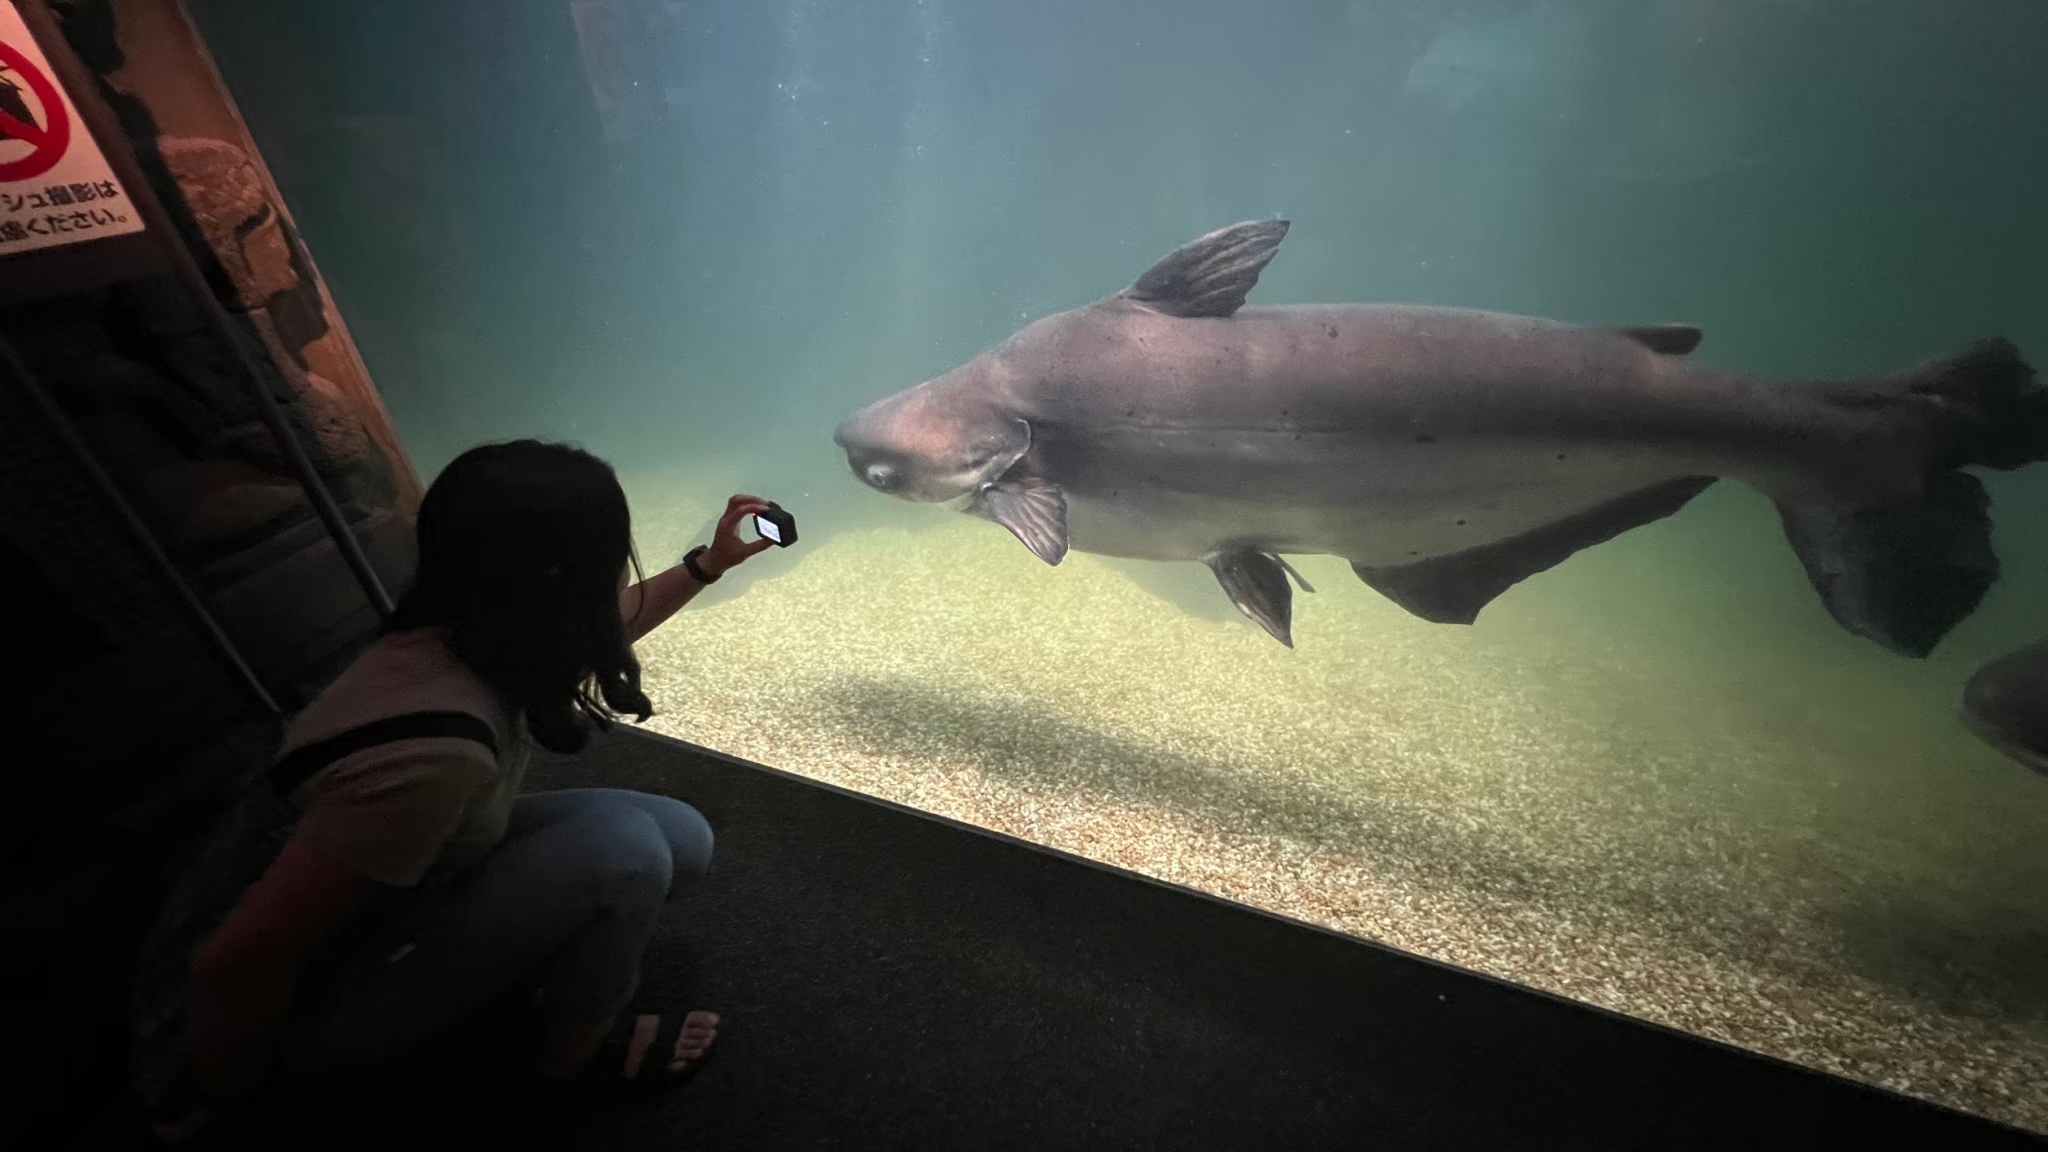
(1657, 777)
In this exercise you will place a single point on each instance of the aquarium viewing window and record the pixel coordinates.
(1527, 646)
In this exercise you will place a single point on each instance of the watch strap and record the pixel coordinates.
(697, 572)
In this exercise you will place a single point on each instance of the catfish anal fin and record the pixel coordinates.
(1212, 275)
(1256, 582)
(1451, 589)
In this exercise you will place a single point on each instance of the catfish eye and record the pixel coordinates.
(878, 474)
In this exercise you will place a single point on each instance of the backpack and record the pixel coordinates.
(242, 845)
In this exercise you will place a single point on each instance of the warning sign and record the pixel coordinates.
(55, 186)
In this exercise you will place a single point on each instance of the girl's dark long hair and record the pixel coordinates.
(520, 549)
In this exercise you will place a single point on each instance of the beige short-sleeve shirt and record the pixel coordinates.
(396, 810)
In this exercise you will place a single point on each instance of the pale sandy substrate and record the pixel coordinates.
(1541, 809)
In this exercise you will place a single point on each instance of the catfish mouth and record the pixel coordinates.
(914, 448)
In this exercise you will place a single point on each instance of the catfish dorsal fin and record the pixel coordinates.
(1210, 276)
(1669, 339)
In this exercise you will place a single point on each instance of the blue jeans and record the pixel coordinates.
(566, 903)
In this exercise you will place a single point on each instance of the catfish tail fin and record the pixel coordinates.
(1905, 569)
(1998, 417)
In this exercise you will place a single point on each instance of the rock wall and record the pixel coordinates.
(137, 702)
(138, 720)
(144, 375)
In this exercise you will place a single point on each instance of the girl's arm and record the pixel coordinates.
(647, 605)
(244, 974)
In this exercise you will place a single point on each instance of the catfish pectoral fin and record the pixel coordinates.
(1034, 511)
(1256, 582)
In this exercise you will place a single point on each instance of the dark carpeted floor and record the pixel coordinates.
(893, 981)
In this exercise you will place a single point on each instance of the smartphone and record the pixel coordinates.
(776, 526)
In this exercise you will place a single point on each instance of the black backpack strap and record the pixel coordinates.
(297, 766)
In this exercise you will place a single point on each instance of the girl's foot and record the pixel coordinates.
(646, 1050)
(690, 1044)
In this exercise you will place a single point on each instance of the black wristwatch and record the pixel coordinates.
(696, 573)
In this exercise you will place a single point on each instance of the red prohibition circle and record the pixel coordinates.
(48, 141)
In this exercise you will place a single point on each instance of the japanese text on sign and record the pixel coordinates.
(56, 187)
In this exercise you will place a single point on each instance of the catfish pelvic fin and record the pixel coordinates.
(1212, 275)
(1034, 511)
(1256, 582)
(1289, 569)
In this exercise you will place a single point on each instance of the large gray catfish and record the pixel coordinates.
(2006, 703)
(1446, 453)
